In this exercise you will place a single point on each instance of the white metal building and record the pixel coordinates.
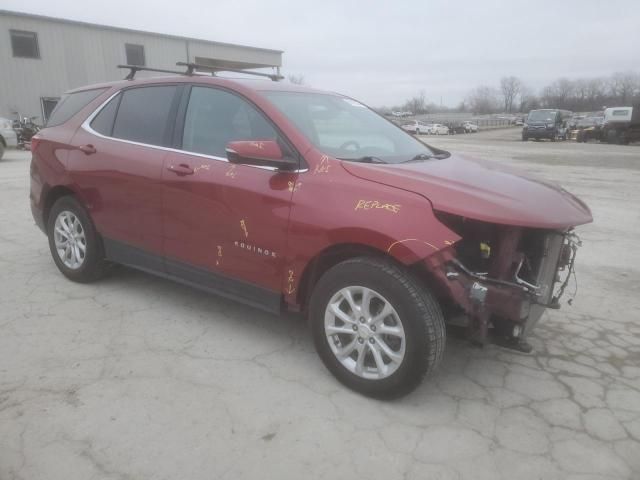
(42, 57)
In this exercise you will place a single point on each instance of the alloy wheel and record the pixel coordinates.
(70, 240)
(364, 332)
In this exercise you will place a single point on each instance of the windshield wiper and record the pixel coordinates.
(429, 156)
(365, 159)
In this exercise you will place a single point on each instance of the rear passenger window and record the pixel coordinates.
(103, 122)
(72, 103)
(143, 114)
(216, 117)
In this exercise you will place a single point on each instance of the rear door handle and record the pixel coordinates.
(87, 149)
(181, 170)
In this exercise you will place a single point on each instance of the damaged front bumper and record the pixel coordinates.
(502, 298)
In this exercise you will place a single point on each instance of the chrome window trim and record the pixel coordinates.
(86, 126)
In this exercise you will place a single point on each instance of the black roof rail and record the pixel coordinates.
(192, 67)
(191, 70)
(133, 69)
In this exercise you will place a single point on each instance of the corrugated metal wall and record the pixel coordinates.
(72, 55)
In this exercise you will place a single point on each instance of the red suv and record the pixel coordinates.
(289, 198)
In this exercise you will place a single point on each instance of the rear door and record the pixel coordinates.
(225, 225)
(118, 167)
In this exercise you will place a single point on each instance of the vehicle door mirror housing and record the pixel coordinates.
(264, 153)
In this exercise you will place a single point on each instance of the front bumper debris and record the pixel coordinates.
(502, 298)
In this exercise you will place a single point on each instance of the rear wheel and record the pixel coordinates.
(75, 245)
(1, 150)
(375, 327)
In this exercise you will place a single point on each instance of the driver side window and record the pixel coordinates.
(216, 117)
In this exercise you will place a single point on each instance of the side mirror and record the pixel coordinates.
(265, 153)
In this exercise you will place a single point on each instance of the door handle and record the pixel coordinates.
(87, 149)
(181, 170)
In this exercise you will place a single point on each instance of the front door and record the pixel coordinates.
(225, 225)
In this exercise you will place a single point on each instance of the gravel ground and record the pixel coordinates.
(139, 378)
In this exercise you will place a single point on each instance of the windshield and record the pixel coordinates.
(346, 129)
(542, 116)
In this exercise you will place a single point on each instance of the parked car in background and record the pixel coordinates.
(8, 136)
(455, 127)
(439, 129)
(587, 128)
(416, 127)
(621, 125)
(260, 191)
(548, 123)
(470, 127)
(519, 122)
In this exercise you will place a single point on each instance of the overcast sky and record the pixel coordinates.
(383, 52)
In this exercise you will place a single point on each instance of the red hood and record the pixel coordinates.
(482, 191)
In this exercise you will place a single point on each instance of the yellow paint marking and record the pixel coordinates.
(375, 204)
(243, 226)
(291, 281)
(294, 186)
(219, 259)
(410, 240)
(323, 166)
(231, 172)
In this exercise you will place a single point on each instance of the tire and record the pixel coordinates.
(415, 313)
(525, 138)
(417, 131)
(90, 265)
(612, 136)
(1, 150)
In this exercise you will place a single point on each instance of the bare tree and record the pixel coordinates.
(483, 100)
(624, 86)
(296, 79)
(416, 104)
(528, 100)
(510, 88)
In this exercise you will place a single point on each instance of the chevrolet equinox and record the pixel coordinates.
(293, 199)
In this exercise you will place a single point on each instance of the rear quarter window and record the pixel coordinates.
(72, 103)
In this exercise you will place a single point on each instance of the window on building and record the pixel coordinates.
(215, 117)
(70, 104)
(143, 114)
(135, 54)
(24, 44)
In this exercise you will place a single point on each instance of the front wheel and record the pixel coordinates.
(376, 327)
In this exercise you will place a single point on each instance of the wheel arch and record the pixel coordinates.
(51, 196)
(328, 258)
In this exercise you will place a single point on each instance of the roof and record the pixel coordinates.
(248, 83)
(129, 30)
